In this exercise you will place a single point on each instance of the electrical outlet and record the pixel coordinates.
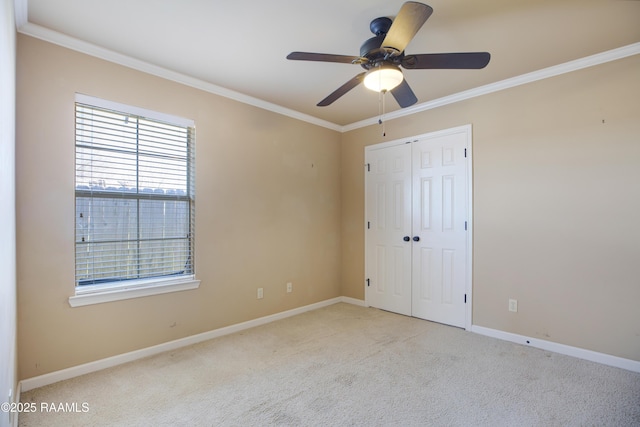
(260, 293)
(513, 305)
(289, 287)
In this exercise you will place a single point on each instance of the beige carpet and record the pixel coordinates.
(346, 365)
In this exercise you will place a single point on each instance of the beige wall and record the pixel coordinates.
(267, 212)
(556, 169)
(8, 328)
(556, 196)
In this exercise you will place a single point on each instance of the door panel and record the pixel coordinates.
(440, 281)
(389, 220)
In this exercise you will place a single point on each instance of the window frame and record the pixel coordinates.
(134, 288)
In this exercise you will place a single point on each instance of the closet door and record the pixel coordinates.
(440, 199)
(388, 211)
(417, 237)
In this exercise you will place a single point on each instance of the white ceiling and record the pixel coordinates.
(241, 45)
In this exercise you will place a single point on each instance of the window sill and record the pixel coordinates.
(106, 293)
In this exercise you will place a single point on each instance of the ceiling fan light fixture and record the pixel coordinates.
(383, 78)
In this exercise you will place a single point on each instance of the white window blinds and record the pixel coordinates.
(134, 196)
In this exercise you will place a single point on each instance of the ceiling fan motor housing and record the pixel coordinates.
(371, 49)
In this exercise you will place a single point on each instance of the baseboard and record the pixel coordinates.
(75, 371)
(353, 301)
(580, 353)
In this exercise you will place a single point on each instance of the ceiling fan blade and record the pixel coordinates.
(324, 57)
(463, 60)
(342, 90)
(411, 17)
(403, 94)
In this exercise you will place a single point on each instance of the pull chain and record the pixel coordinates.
(381, 110)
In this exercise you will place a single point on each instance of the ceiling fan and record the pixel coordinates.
(383, 55)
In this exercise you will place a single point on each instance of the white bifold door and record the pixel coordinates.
(418, 235)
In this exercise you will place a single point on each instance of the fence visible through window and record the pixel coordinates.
(134, 197)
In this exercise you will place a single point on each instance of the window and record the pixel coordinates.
(134, 192)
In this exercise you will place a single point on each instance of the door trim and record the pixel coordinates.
(467, 129)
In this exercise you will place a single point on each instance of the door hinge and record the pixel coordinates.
(465, 152)
(368, 167)
(465, 226)
(368, 225)
(368, 282)
(465, 298)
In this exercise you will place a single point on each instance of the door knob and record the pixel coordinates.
(416, 238)
(406, 238)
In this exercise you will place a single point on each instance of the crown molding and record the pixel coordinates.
(72, 43)
(42, 33)
(545, 73)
